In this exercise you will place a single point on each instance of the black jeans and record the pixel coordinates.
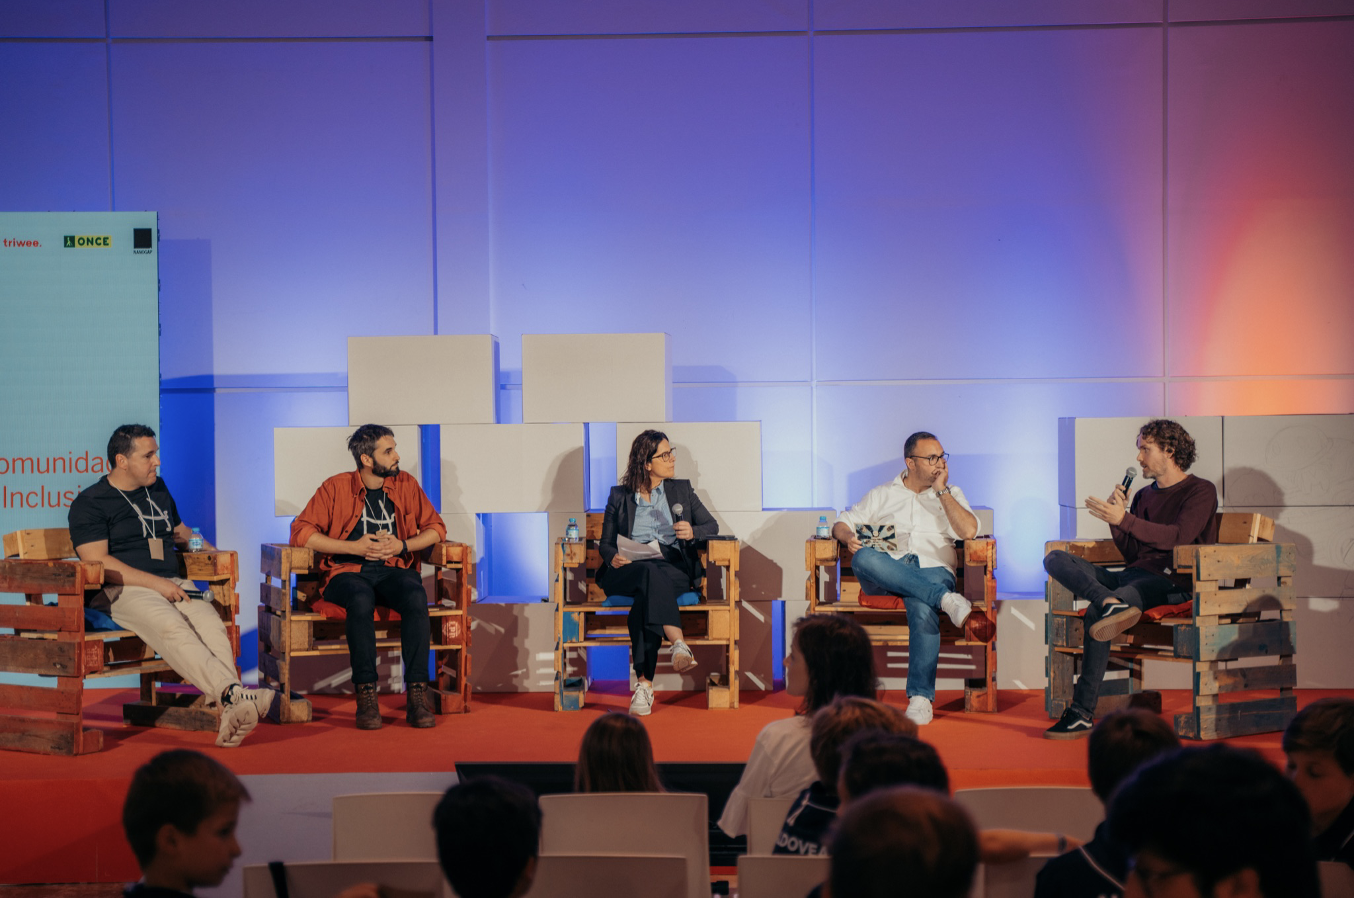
(655, 586)
(399, 589)
(1133, 586)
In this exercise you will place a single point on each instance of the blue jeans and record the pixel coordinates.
(921, 589)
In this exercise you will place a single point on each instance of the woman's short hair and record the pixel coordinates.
(841, 719)
(1327, 724)
(1172, 439)
(903, 839)
(636, 478)
(616, 756)
(838, 657)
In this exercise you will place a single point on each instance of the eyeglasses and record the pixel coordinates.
(932, 459)
(666, 456)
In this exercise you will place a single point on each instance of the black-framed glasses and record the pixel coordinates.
(666, 456)
(932, 459)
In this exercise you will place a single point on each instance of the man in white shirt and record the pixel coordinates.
(928, 514)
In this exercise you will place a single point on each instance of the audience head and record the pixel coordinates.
(874, 759)
(616, 756)
(1123, 741)
(1216, 822)
(1319, 744)
(636, 476)
(123, 441)
(488, 836)
(830, 655)
(364, 440)
(180, 817)
(903, 840)
(841, 719)
(1171, 439)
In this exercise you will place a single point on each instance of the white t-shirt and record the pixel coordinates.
(919, 520)
(780, 767)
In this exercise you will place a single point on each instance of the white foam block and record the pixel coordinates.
(513, 646)
(1093, 453)
(771, 557)
(596, 377)
(442, 379)
(1288, 460)
(1324, 538)
(723, 460)
(756, 646)
(512, 468)
(304, 457)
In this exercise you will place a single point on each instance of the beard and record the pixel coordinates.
(385, 472)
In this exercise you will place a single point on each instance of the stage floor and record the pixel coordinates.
(60, 820)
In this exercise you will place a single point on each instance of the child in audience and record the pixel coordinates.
(1319, 744)
(616, 756)
(1120, 743)
(814, 811)
(903, 841)
(830, 656)
(488, 837)
(180, 817)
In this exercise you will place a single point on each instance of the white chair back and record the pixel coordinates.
(766, 817)
(1013, 880)
(609, 876)
(641, 823)
(780, 875)
(325, 879)
(1069, 810)
(1337, 880)
(385, 826)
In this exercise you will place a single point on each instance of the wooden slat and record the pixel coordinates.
(42, 617)
(1232, 562)
(980, 553)
(449, 554)
(280, 561)
(275, 597)
(63, 699)
(214, 565)
(41, 544)
(1244, 527)
(1096, 551)
(1246, 599)
(41, 577)
(173, 711)
(1225, 642)
(48, 737)
(593, 526)
(1270, 676)
(1224, 721)
(47, 657)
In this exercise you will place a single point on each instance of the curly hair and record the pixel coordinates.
(364, 440)
(636, 477)
(1172, 439)
(838, 657)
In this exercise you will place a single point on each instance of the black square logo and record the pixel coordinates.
(69, 242)
(141, 238)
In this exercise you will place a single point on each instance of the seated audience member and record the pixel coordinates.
(903, 841)
(830, 656)
(1319, 744)
(370, 526)
(877, 760)
(488, 837)
(128, 521)
(812, 814)
(179, 817)
(1120, 743)
(616, 756)
(1215, 822)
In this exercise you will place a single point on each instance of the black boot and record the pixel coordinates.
(416, 711)
(368, 709)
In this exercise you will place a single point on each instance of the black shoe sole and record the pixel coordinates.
(1107, 628)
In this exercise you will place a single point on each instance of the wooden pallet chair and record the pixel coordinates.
(833, 588)
(1225, 620)
(585, 617)
(56, 640)
(296, 622)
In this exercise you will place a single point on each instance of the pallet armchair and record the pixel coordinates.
(295, 622)
(583, 617)
(1226, 619)
(54, 640)
(832, 588)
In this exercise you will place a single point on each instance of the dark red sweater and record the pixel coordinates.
(1159, 519)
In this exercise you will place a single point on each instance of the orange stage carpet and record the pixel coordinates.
(60, 818)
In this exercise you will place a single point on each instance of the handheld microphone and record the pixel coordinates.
(677, 511)
(1129, 473)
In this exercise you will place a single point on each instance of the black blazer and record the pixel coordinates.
(620, 519)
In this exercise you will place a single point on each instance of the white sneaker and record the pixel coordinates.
(245, 709)
(956, 607)
(682, 659)
(642, 703)
(918, 710)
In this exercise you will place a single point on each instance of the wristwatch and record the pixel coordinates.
(944, 492)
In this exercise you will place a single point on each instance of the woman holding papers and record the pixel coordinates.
(649, 554)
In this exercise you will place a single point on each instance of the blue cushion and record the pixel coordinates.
(96, 620)
(686, 598)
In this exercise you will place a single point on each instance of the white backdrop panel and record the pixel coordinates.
(514, 17)
(1289, 396)
(1324, 628)
(723, 460)
(1093, 454)
(513, 646)
(844, 14)
(418, 380)
(512, 467)
(1214, 10)
(771, 560)
(263, 18)
(1034, 222)
(305, 457)
(596, 377)
(206, 129)
(1289, 459)
(55, 18)
(1325, 544)
(674, 197)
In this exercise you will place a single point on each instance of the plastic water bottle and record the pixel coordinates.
(195, 541)
(824, 530)
(571, 532)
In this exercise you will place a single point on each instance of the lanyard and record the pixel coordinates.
(156, 513)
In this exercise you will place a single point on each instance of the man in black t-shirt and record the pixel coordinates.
(128, 521)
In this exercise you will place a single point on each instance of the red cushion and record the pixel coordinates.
(338, 612)
(882, 603)
(1184, 609)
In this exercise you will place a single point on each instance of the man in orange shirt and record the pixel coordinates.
(372, 525)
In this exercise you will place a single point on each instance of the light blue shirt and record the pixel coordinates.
(653, 519)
